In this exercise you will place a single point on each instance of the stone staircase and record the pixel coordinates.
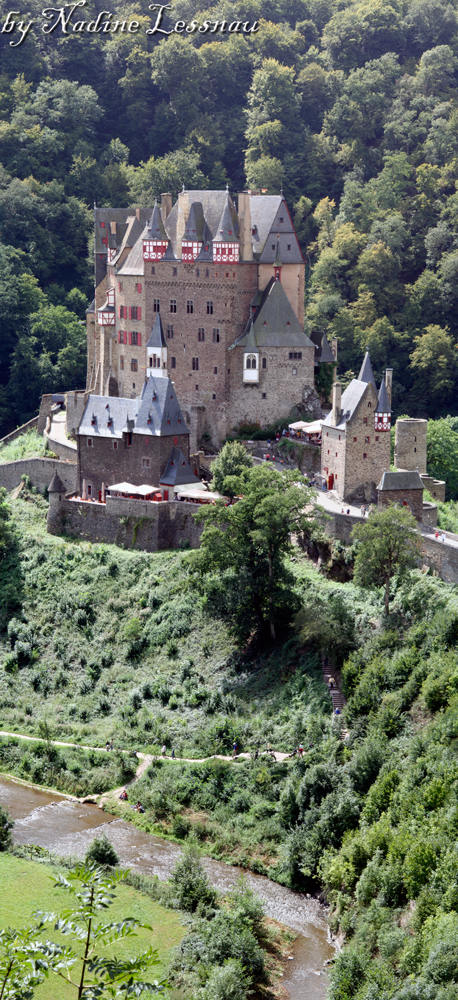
(337, 698)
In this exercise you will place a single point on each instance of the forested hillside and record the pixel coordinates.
(348, 105)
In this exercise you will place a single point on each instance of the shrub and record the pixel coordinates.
(102, 852)
(6, 825)
(190, 883)
(227, 982)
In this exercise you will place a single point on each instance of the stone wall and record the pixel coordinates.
(436, 487)
(29, 426)
(44, 412)
(413, 499)
(132, 524)
(67, 452)
(410, 444)
(40, 472)
(101, 462)
(75, 403)
(302, 455)
(280, 388)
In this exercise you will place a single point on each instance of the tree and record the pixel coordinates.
(6, 825)
(233, 460)
(96, 975)
(102, 852)
(434, 359)
(243, 547)
(190, 883)
(442, 452)
(388, 545)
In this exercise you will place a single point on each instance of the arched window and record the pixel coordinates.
(251, 361)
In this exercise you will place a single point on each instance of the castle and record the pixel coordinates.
(211, 295)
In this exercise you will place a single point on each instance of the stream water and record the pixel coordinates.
(67, 828)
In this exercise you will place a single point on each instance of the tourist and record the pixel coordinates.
(164, 749)
(124, 796)
(300, 749)
(235, 748)
(138, 807)
(172, 754)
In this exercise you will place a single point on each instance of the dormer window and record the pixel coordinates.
(93, 420)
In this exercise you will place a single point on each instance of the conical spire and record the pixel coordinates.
(155, 228)
(196, 229)
(56, 485)
(366, 374)
(227, 231)
(156, 337)
(383, 403)
(326, 355)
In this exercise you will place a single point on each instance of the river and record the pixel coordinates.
(67, 827)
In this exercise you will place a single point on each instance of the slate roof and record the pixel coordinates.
(400, 481)
(155, 228)
(366, 374)
(351, 399)
(156, 411)
(196, 226)
(228, 227)
(383, 403)
(156, 337)
(56, 485)
(178, 471)
(121, 217)
(275, 323)
(273, 231)
(323, 353)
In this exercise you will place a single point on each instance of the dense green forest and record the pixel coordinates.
(346, 104)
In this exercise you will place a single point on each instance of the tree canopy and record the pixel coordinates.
(388, 545)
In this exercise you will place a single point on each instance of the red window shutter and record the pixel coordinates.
(130, 338)
(125, 336)
(139, 312)
(120, 337)
(139, 339)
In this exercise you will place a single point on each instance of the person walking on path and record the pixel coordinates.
(235, 748)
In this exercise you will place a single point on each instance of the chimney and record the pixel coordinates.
(389, 382)
(166, 205)
(182, 218)
(334, 343)
(336, 403)
(137, 213)
(244, 212)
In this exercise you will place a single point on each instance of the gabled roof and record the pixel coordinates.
(155, 228)
(383, 403)
(156, 337)
(178, 470)
(400, 481)
(323, 353)
(156, 412)
(228, 227)
(56, 485)
(275, 323)
(350, 401)
(366, 374)
(273, 232)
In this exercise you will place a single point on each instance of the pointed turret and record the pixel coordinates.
(366, 374)
(56, 485)
(155, 239)
(196, 234)
(226, 249)
(382, 416)
(156, 349)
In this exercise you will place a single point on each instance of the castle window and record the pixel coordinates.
(201, 334)
(173, 305)
(251, 362)
(364, 420)
(197, 388)
(89, 442)
(119, 286)
(339, 437)
(209, 308)
(121, 364)
(364, 454)
(153, 270)
(207, 272)
(289, 246)
(138, 287)
(136, 338)
(115, 445)
(213, 395)
(295, 355)
(145, 463)
(134, 365)
(170, 332)
(367, 440)
(173, 362)
(377, 437)
(354, 439)
(135, 312)
(123, 312)
(281, 218)
(197, 272)
(273, 246)
(215, 335)
(264, 395)
(264, 362)
(174, 271)
(215, 371)
(195, 364)
(369, 405)
(294, 371)
(156, 305)
(190, 306)
(415, 449)
(129, 435)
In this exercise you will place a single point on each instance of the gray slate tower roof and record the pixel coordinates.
(156, 412)
(155, 228)
(383, 403)
(156, 337)
(366, 374)
(196, 227)
(56, 485)
(228, 227)
(178, 471)
(275, 323)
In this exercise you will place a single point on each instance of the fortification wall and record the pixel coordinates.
(66, 452)
(131, 524)
(442, 557)
(40, 472)
(30, 425)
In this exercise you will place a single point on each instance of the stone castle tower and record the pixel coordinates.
(355, 436)
(212, 295)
